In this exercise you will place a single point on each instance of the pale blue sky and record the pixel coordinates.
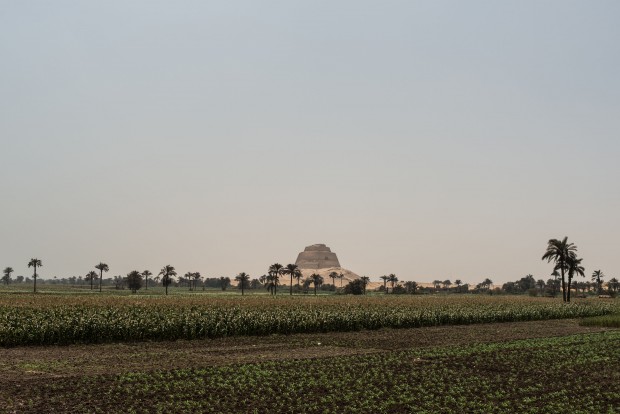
(438, 139)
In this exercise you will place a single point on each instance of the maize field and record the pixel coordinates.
(51, 319)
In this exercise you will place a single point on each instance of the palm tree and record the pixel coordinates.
(613, 284)
(437, 284)
(167, 273)
(298, 276)
(446, 284)
(92, 275)
(341, 276)
(224, 282)
(134, 280)
(189, 276)
(197, 277)
(317, 280)
(146, 275)
(242, 278)
(275, 272)
(35, 263)
(393, 279)
(458, 284)
(411, 286)
(293, 271)
(541, 285)
(574, 269)
(333, 276)
(365, 281)
(560, 252)
(102, 268)
(487, 283)
(597, 277)
(385, 280)
(7, 274)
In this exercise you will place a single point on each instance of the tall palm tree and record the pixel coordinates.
(458, 284)
(7, 274)
(292, 270)
(275, 270)
(385, 279)
(146, 275)
(365, 281)
(446, 284)
(597, 277)
(92, 275)
(613, 284)
(242, 278)
(35, 263)
(317, 280)
(102, 267)
(393, 279)
(341, 276)
(541, 285)
(167, 273)
(333, 276)
(574, 269)
(560, 252)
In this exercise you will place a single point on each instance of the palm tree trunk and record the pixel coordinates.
(563, 283)
(35, 279)
(570, 279)
(100, 279)
(315, 289)
(291, 284)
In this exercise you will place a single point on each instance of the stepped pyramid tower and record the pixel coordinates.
(319, 259)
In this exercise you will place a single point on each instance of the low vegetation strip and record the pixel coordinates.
(608, 321)
(83, 321)
(575, 373)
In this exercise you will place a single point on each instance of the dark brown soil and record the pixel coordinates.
(29, 365)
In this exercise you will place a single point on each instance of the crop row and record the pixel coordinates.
(566, 374)
(158, 320)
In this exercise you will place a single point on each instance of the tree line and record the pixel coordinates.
(567, 266)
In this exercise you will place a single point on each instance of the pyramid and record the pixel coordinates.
(319, 259)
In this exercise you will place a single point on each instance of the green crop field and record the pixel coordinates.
(62, 319)
(212, 353)
(576, 373)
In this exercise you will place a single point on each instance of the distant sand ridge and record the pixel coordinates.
(319, 259)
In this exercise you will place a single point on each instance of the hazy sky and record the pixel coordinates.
(435, 139)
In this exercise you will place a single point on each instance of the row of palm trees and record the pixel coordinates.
(272, 278)
(561, 252)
